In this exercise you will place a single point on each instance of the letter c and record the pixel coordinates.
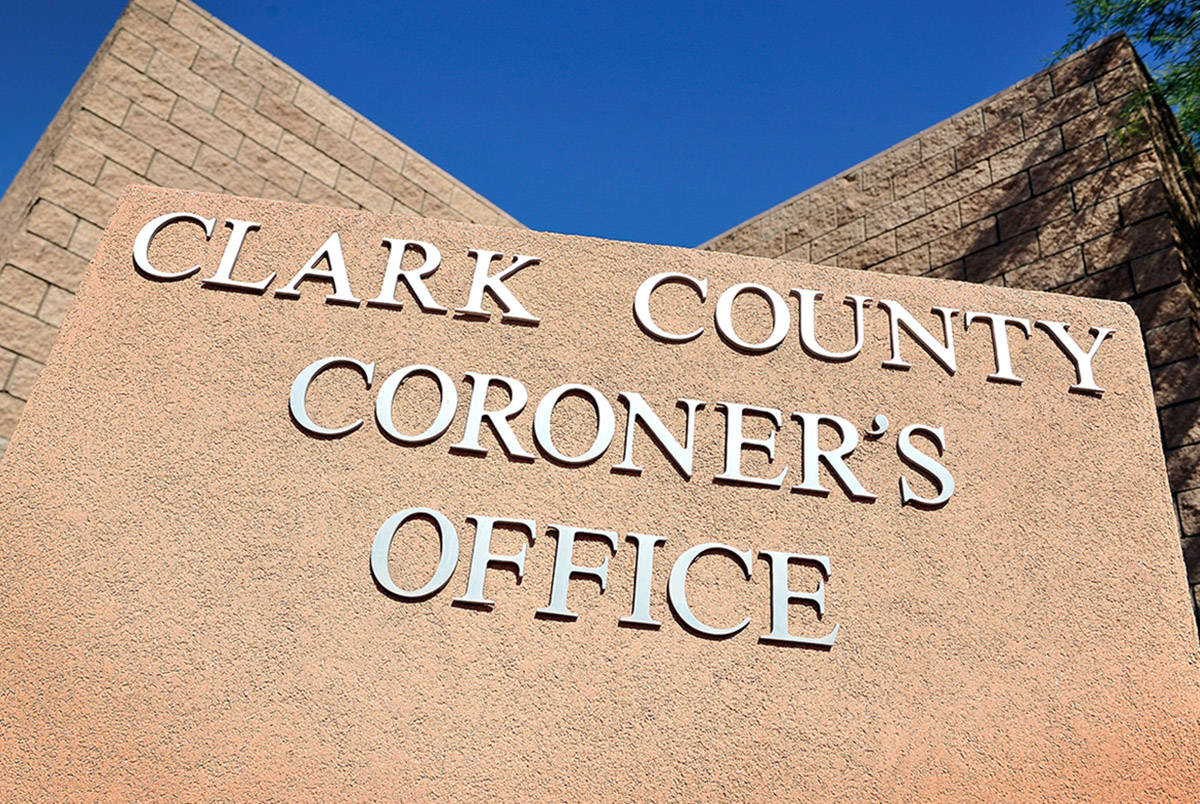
(641, 305)
(300, 385)
(677, 586)
(141, 244)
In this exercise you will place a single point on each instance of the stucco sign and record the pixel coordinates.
(314, 500)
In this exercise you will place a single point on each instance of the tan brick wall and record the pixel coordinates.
(176, 98)
(1033, 188)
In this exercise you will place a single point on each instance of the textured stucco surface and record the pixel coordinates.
(186, 603)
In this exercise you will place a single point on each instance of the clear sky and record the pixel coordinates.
(662, 122)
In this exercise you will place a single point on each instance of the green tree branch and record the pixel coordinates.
(1167, 35)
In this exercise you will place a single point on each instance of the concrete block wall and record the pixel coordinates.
(1037, 187)
(176, 98)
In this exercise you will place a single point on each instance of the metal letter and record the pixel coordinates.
(681, 456)
(808, 338)
(643, 576)
(387, 398)
(605, 424)
(223, 277)
(899, 317)
(331, 252)
(736, 441)
(677, 586)
(781, 317)
(925, 465)
(999, 325)
(482, 557)
(414, 278)
(447, 537)
(782, 596)
(299, 391)
(641, 305)
(141, 243)
(494, 284)
(565, 568)
(810, 472)
(497, 419)
(1081, 359)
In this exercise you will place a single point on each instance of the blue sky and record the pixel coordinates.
(661, 122)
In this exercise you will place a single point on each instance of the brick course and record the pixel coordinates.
(1034, 188)
(174, 97)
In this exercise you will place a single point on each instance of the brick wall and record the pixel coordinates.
(176, 98)
(1035, 188)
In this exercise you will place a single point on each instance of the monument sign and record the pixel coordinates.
(312, 502)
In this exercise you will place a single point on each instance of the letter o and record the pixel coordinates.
(447, 537)
(387, 397)
(780, 315)
(605, 424)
